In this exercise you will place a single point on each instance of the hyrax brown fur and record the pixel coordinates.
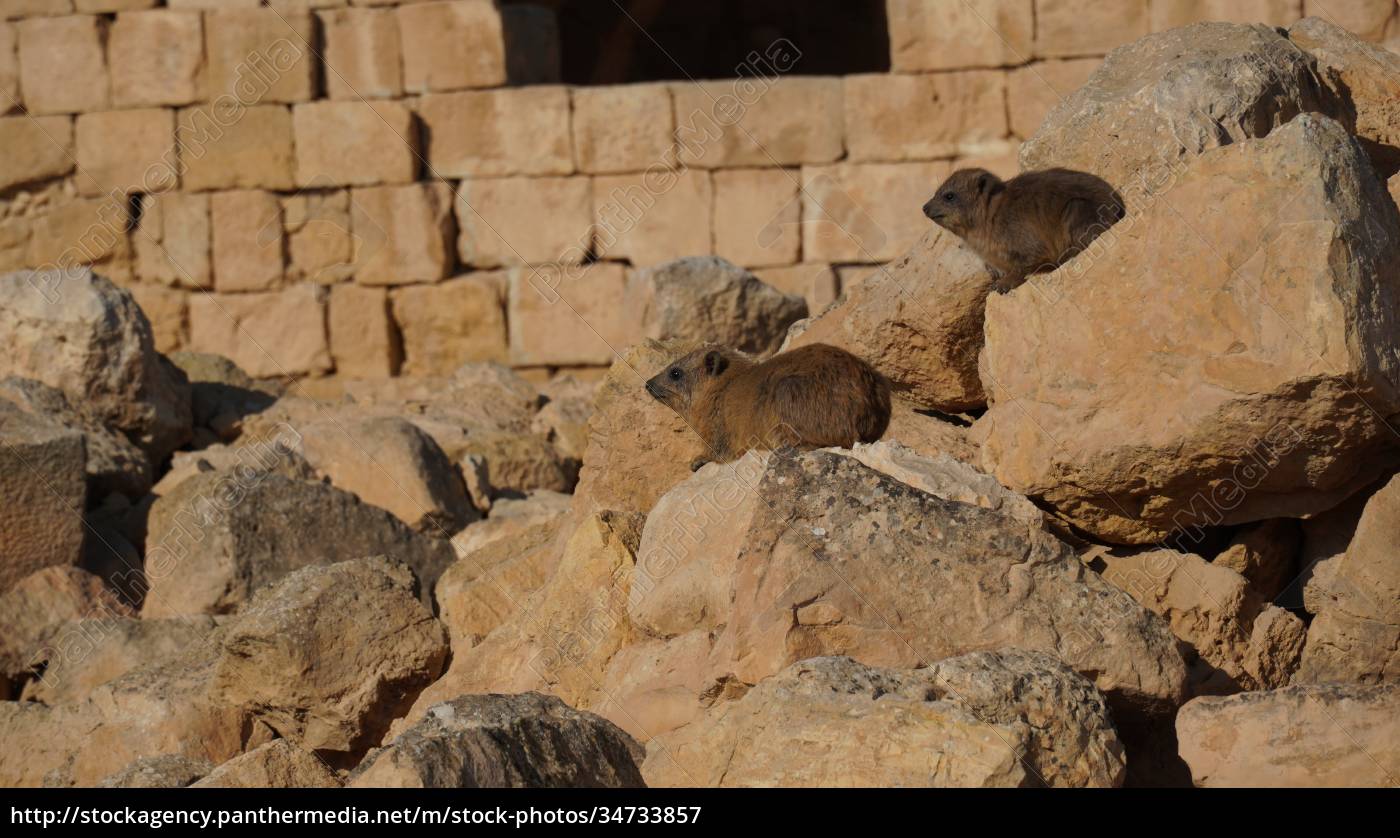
(814, 396)
(1030, 224)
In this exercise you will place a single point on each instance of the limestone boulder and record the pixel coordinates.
(774, 559)
(1159, 101)
(638, 448)
(221, 535)
(103, 645)
(35, 608)
(706, 298)
(1356, 634)
(563, 419)
(512, 516)
(79, 333)
(43, 490)
(167, 771)
(516, 464)
(386, 461)
(276, 765)
(931, 435)
(487, 584)
(1229, 356)
(1007, 718)
(918, 321)
(1339, 735)
(329, 656)
(1265, 554)
(221, 393)
(505, 741)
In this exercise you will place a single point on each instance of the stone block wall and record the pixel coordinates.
(382, 187)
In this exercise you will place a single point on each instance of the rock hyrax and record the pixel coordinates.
(1030, 224)
(812, 397)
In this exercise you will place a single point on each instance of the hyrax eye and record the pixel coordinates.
(949, 196)
(675, 374)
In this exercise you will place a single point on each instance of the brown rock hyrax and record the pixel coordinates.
(812, 397)
(1030, 224)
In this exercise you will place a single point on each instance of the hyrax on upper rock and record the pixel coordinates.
(814, 396)
(1030, 224)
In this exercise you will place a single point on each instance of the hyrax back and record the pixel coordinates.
(811, 397)
(1030, 224)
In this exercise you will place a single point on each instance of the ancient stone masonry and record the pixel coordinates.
(316, 188)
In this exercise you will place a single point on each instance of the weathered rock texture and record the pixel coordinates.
(277, 765)
(989, 719)
(42, 494)
(38, 606)
(168, 771)
(1325, 735)
(505, 741)
(1229, 356)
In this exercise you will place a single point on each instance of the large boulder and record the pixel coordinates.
(43, 492)
(1356, 634)
(103, 645)
(37, 608)
(329, 656)
(276, 765)
(505, 741)
(78, 332)
(220, 535)
(705, 298)
(988, 719)
(1302, 736)
(1163, 99)
(486, 585)
(748, 567)
(1230, 356)
(388, 462)
(166, 771)
(221, 393)
(918, 321)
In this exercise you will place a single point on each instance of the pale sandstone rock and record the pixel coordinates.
(451, 323)
(328, 656)
(505, 741)
(653, 217)
(236, 147)
(1264, 554)
(1160, 101)
(1275, 646)
(319, 243)
(362, 53)
(865, 212)
(276, 765)
(62, 64)
(389, 463)
(9, 69)
(485, 587)
(563, 418)
(760, 121)
(260, 56)
(221, 393)
(168, 313)
(705, 298)
(277, 333)
(402, 234)
(511, 131)
(519, 463)
(917, 321)
(364, 341)
(638, 448)
(1034, 90)
(103, 642)
(78, 332)
(622, 128)
(1168, 14)
(512, 516)
(75, 232)
(894, 117)
(1356, 634)
(1363, 76)
(36, 149)
(987, 719)
(901, 579)
(564, 315)
(355, 143)
(1375, 21)
(1252, 358)
(35, 8)
(982, 33)
(1327, 735)
(167, 771)
(931, 435)
(36, 607)
(247, 248)
(759, 221)
(219, 536)
(1082, 27)
(451, 45)
(815, 282)
(501, 222)
(156, 58)
(112, 462)
(173, 242)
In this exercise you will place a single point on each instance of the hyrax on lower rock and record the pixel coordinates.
(814, 396)
(1030, 224)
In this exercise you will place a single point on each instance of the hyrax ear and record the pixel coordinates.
(715, 362)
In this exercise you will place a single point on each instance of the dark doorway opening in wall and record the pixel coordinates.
(607, 42)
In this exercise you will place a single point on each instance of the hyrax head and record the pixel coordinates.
(677, 385)
(959, 203)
